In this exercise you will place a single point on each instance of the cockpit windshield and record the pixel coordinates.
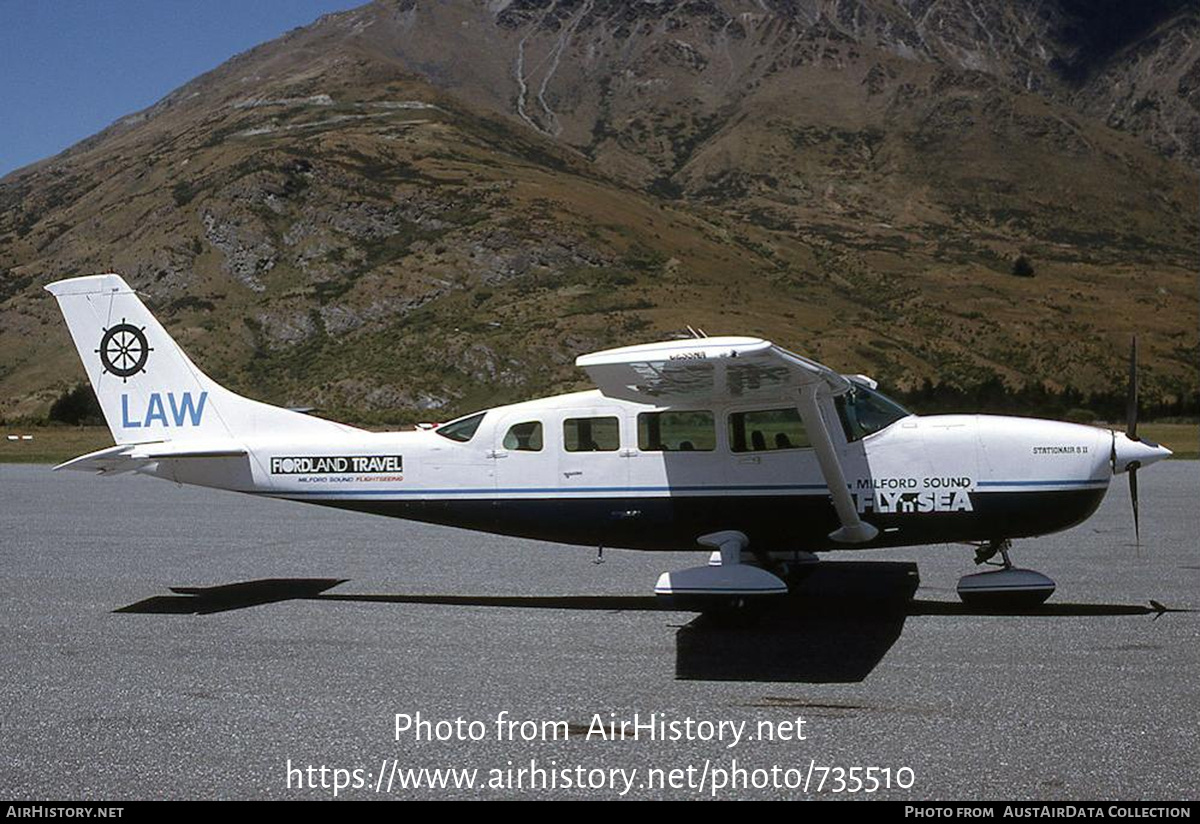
(461, 430)
(864, 411)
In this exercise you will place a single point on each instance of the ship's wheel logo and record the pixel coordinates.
(123, 350)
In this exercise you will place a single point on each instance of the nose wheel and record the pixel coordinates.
(1008, 587)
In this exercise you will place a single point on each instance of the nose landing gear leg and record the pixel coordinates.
(984, 553)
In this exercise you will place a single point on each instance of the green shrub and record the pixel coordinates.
(77, 406)
(1022, 268)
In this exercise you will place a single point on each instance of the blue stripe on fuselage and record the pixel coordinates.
(608, 490)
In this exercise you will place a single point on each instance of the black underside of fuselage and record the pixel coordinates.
(772, 522)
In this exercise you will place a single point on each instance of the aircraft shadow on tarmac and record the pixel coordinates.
(836, 625)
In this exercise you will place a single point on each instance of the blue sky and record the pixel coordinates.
(68, 68)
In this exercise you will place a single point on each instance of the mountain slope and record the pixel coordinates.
(409, 210)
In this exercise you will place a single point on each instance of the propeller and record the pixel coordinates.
(1131, 418)
(1129, 451)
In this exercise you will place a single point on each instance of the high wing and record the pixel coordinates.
(708, 369)
(717, 370)
(129, 457)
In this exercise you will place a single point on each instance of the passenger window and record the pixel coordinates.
(676, 432)
(524, 437)
(591, 434)
(767, 430)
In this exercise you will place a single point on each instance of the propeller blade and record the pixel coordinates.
(1133, 496)
(1131, 400)
(1131, 419)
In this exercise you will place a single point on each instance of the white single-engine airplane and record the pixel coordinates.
(758, 455)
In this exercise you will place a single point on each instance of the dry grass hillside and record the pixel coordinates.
(406, 211)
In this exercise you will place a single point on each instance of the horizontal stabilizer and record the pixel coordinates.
(129, 457)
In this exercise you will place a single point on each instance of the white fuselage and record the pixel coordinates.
(920, 479)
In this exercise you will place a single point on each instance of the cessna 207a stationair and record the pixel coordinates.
(756, 454)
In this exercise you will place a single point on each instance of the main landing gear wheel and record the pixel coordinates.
(1008, 587)
(725, 584)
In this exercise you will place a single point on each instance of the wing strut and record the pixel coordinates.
(853, 530)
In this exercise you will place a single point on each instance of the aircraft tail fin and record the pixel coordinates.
(148, 388)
